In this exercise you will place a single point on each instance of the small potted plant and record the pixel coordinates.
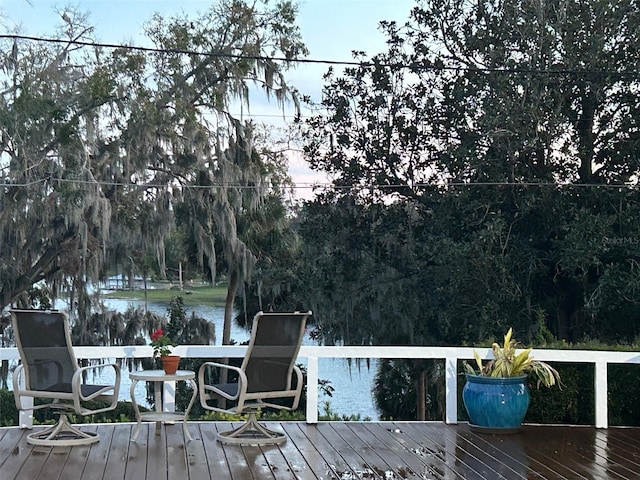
(496, 395)
(162, 344)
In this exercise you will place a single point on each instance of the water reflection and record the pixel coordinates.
(496, 456)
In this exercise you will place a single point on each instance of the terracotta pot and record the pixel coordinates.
(170, 363)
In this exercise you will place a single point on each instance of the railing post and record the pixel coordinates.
(451, 390)
(312, 390)
(602, 408)
(169, 398)
(25, 417)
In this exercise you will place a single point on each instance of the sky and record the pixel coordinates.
(331, 29)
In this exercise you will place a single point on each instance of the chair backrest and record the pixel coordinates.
(273, 349)
(43, 339)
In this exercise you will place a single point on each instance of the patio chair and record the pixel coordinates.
(50, 373)
(263, 380)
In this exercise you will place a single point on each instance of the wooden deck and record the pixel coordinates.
(336, 450)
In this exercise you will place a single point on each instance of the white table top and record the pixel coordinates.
(160, 376)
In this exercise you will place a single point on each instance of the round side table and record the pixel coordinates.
(158, 377)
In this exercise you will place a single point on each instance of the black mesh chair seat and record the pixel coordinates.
(231, 389)
(49, 371)
(86, 391)
(264, 380)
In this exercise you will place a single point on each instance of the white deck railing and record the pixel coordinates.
(451, 355)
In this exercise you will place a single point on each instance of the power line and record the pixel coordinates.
(178, 51)
(420, 66)
(325, 184)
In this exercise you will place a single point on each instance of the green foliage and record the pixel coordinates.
(8, 410)
(191, 296)
(328, 415)
(395, 389)
(285, 416)
(108, 202)
(359, 265)
(624, 389)
(272, 415)
(507, 362)
(274, 284)
(571, 404)
(474, 188)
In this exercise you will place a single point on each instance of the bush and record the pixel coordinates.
(572, 403)
(8, 410)
(624, 391)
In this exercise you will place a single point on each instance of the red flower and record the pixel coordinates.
(161, 343)
(156, 334)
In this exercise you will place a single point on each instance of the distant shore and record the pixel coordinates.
(200, 294)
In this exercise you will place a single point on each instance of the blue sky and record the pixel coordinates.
(330, 28)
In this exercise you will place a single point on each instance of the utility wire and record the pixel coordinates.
(325, 184)
(419, 66)
(298, 185)
(177, 50)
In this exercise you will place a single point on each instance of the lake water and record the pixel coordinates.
(352, 394)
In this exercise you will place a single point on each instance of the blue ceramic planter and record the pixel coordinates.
(496, 402)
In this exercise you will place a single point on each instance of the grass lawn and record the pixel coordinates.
(196, 295)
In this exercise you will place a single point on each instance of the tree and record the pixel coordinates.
(474, 117)
(101, 147)
(508, 133)
(269, 232)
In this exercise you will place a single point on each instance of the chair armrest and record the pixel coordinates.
(205, 388)
(17, 374)
(299, 385)
(17, 390)
(76, 382)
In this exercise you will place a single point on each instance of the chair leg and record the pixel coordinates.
(62, 434)
(252, 433)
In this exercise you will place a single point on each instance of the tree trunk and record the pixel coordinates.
(146, 293)
(228, 306)
(586, 137)
(421, 399)
(226, 329)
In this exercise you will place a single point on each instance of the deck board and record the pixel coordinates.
(343, 459)
(99, 453)
(14, 455)
(509, 451)
(197, 456)
(401, 465)
(156, 451)
(417, 458)
(286, 460)
(331, 451)
(216, 459)
(622, 453)
(55, 463)
(442, 445)
(137, 459)
(116, 464)
(176, 450)
(74, 464)
(567, 453)
(239, 466)
(315, 461)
